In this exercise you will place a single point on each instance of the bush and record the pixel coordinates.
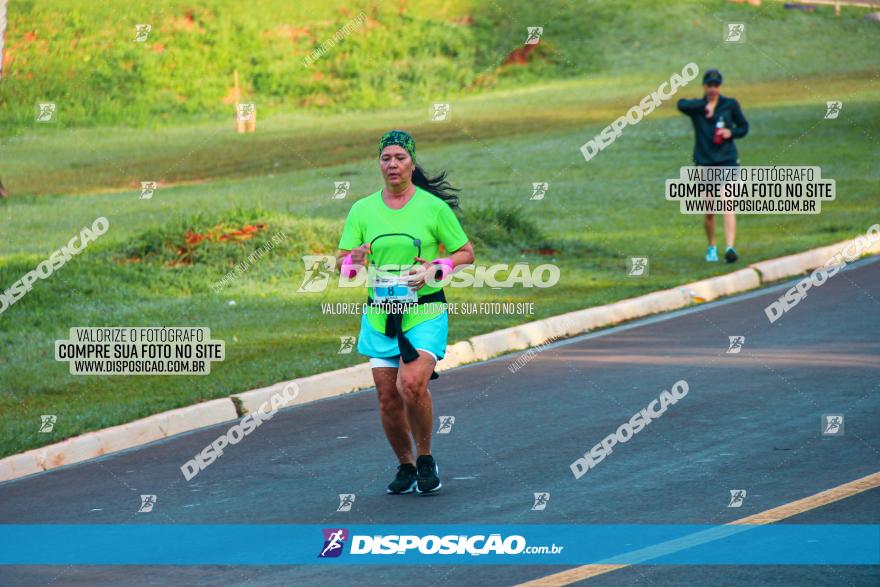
(502, 227)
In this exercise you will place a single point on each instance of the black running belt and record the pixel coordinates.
(394, 325)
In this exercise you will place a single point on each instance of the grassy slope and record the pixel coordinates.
(496, 145)
(74, 53)
(596, 215)
(98, 159)
(81, 55)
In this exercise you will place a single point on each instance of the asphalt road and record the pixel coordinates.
(750, 421)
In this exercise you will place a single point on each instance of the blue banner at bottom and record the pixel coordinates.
(173, 544)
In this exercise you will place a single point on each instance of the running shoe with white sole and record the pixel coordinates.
(712, 254)
(405, 481)
(428, 475)
(730, 255)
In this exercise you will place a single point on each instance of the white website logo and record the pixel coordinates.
(47, 423)
(539, 189)
(665, 91)
(737, 497)
(246, 111)
(346, 500)
(541, 500)
(46, 112)
(56, 261)
(735, 344)
(637, 266)
(446, 423)
(340, 189)
(832, 425)
(629, 428)
(147, 189)
(819, 276)
(346, 345)
(141, 32)
(147, 503)
(832, 109)
(440, 112)
(735, 32)
(534, 35)
(239, 431)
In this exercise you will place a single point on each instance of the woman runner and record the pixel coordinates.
(718, 121)
(397, 231)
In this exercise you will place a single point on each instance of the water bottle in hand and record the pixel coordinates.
(719, 137)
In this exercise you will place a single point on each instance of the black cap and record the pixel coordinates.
(712, 76)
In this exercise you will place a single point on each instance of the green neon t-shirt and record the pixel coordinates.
(396, 236)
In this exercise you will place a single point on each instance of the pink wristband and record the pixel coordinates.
(349, 270)
(444, 268)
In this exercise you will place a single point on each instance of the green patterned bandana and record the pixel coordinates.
(399, 138)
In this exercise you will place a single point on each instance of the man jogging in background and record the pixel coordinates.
(718, 120)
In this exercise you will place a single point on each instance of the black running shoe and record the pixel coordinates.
(405, 481)
(730, 255)
(428, 475)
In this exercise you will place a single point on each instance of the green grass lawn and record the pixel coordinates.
(496, 144)
(82, 55)
(595, 215)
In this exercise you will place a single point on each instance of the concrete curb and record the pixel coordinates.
(457, 355)
(800, 263)
(20, 465)
(792, 265)
(724, 285)
(110, 440)
(311, 388)
(478, 348)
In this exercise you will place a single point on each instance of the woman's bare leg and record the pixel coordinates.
(709, 225)
(412, 383)
(393, 414)
(730, 228)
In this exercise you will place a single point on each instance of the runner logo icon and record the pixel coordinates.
(147, 503)
(832, 109)
(147, 189)
(736, 344)
(340, 189)
(346, 345)
(346, 500)
(141, 32)
(737, 497)
(541, 500)
(534, 35)
(637, 266)
(446, 423)
(317, 273)
(440, 112)
(736, 32)
(47, 422)
(46, 112)
(539, 189)
(334, 540)
(832, 425)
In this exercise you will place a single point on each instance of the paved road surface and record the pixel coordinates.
(750, 420)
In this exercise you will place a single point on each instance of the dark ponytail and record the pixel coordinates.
(437, 185)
